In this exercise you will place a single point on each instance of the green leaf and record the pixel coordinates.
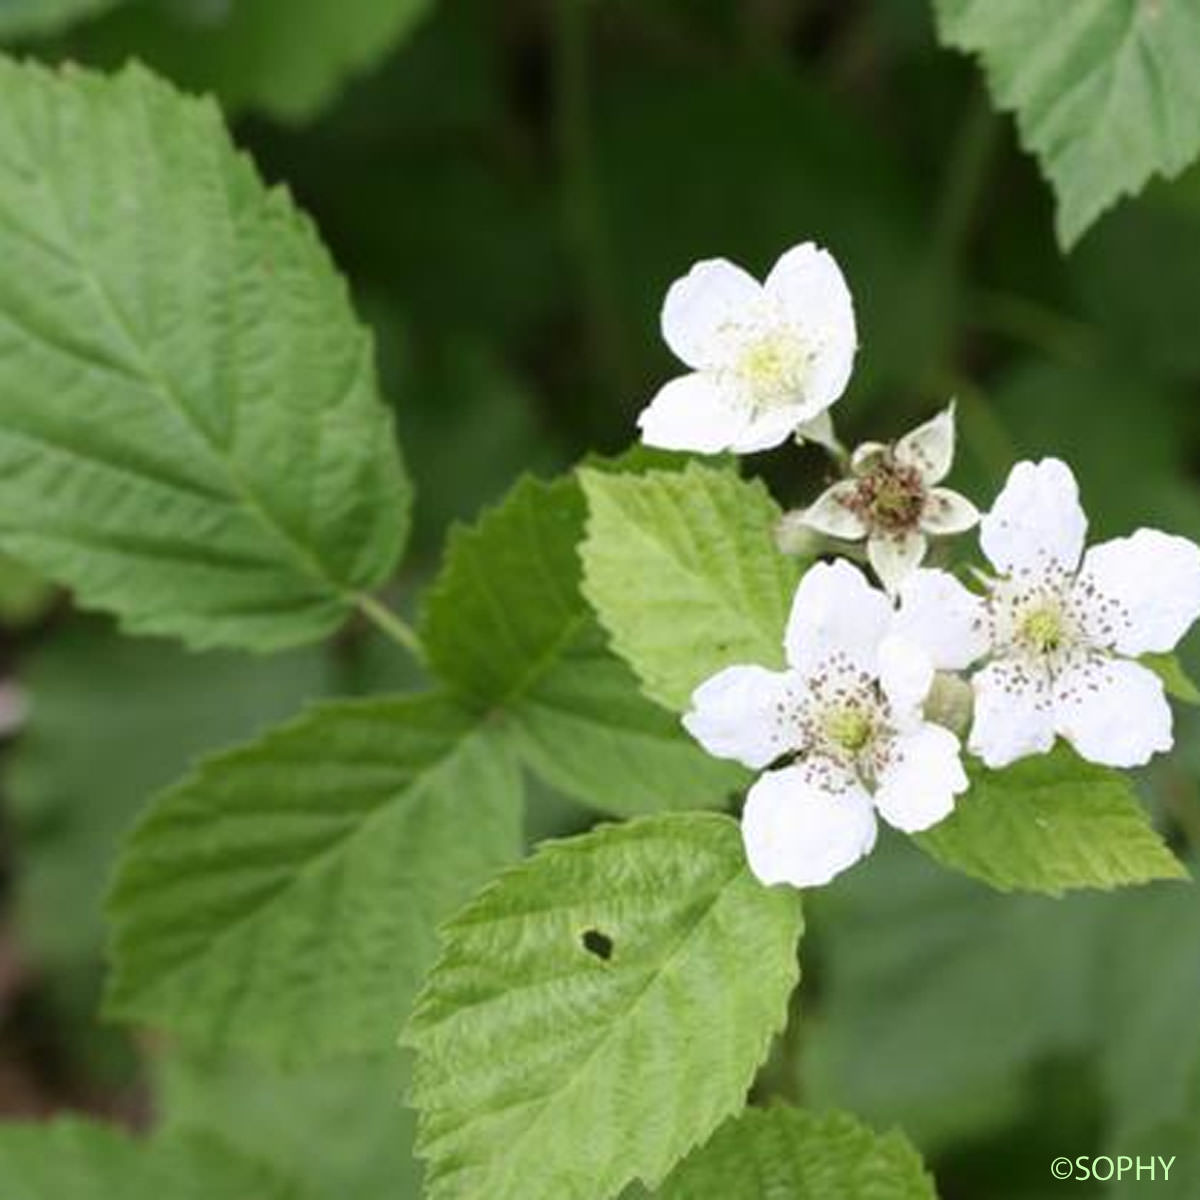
(70, 1159)
(285, 896)
(1175, 679)
(1051, 823)
(111, 721)
(683, 571)
(1105, 93)
(634, 978)
(507, 626)
(785, 1152)
(1150, 1049)
(286, 57)
(25, 597)
(191, 436)
(25, 18)
(363, 1148)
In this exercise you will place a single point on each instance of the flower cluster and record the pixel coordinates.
(1050, 639)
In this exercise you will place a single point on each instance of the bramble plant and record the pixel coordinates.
(192, 440)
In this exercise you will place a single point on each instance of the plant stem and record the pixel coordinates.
(582, 208)
(966, 176)
(392, 624)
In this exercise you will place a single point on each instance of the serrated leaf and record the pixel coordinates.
(683, 571)
(27, 18)
(285, 896)
(1175, 680)
(1105, 91)
(191, 435)
(789, 1154)
(1050, 823)
(284, 57)
(634, 978)
(70, 1159)
(507, 626)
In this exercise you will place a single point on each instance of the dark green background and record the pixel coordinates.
(510, 194)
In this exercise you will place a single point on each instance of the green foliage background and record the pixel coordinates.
(509, 189)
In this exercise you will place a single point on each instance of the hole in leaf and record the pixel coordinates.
(597, 943)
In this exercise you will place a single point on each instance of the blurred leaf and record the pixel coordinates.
(1050, 823)
(918, 963)
(340, 1127)
(1174, 678)
(786, 1152)
(285, 57)
(284, 897)
(721, 591)
(1119, 431)
(25, 596)
(112, 721)
(24, 18)
(634, 977)
(1104, 93)
(507, 627)
(1150, 1053)
(469, 427)
(70, 1159)
(191, 435)
(1136, 277)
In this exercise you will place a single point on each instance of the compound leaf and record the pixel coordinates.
(507, 626)
(683, 571)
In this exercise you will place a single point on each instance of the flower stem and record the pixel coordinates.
(392, 624)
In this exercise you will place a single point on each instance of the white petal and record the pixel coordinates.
(831, 513)
(1154, 578)
(930, 447)
(701, 308)
(693, 412)
(836, 611)
(906, 675)
(947, 512)
(807, 285)
(896, 555)
(820, 430)
(769, 427)
(938, 614)
(1036, 520)
(1113, 712)
(1013, 718)
(917, 789)
(745, 713)
(866, 456)
(796, 834)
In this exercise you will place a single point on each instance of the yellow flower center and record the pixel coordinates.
(849, 727)
(774, 366)
(1043, 628)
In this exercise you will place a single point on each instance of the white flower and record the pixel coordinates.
(766, 358)
(843, 727)
(892, 499)
(1059, 628)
